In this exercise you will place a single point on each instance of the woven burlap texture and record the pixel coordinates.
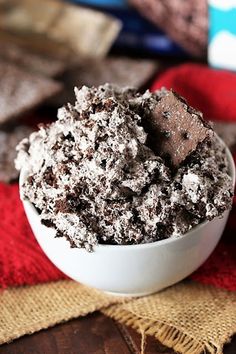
(189, 317)
(28, 309)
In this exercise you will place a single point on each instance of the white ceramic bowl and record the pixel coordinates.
(132, 270)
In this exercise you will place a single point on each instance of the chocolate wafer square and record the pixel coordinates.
(21, 91)
(31, 61)
(121, 71)
(177, 128)
(227, 132)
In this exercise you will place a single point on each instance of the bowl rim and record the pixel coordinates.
(232, 173)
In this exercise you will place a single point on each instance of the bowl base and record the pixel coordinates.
(131, 294)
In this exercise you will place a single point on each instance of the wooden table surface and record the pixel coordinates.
(93, 334)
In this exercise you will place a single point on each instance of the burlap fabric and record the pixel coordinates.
(28, 309)
(188, 317)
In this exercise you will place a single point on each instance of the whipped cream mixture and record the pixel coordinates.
(93, 178)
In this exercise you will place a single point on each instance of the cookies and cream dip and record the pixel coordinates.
(117, 168)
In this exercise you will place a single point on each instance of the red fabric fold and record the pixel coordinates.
(21, 258)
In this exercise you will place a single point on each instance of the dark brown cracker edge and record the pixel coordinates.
(175, 128)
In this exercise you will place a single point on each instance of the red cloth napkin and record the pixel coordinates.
(21, 259)
(23, 262)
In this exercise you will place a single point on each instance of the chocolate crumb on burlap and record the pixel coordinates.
(22, 91)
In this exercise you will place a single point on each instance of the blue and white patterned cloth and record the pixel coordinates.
(222, 34)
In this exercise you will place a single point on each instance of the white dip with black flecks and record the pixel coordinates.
(93, 178)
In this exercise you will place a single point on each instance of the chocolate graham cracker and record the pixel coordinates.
(186, 22)
(22, 91)
(121, 71)
(34, 62)
(84, 31)
(227, 132)
(177, 128)
(37, 43)
(8, 142)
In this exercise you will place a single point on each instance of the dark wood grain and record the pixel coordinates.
(93, 334)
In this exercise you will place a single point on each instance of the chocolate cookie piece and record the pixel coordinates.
(186, 22)
(22, 91)
(121, 71)
(37, 43)
(34, 62)
(176, 128)
(64, 23)
(227, 132)
(8, 142)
